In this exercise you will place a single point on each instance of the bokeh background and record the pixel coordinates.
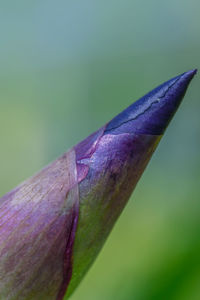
(66, 68)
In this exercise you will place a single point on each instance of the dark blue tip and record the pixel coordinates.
(152, 113)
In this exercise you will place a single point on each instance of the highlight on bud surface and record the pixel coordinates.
(53, 225)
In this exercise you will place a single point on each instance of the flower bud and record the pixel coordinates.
(54, 224)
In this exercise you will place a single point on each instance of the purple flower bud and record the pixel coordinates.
(53, 225)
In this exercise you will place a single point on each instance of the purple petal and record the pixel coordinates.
(152, 113)
(37, 231)
(110, 173)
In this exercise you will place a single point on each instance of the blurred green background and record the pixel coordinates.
(66, 68)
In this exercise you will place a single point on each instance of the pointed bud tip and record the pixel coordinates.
(187, 76)
(152, 113)
(191, 73)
